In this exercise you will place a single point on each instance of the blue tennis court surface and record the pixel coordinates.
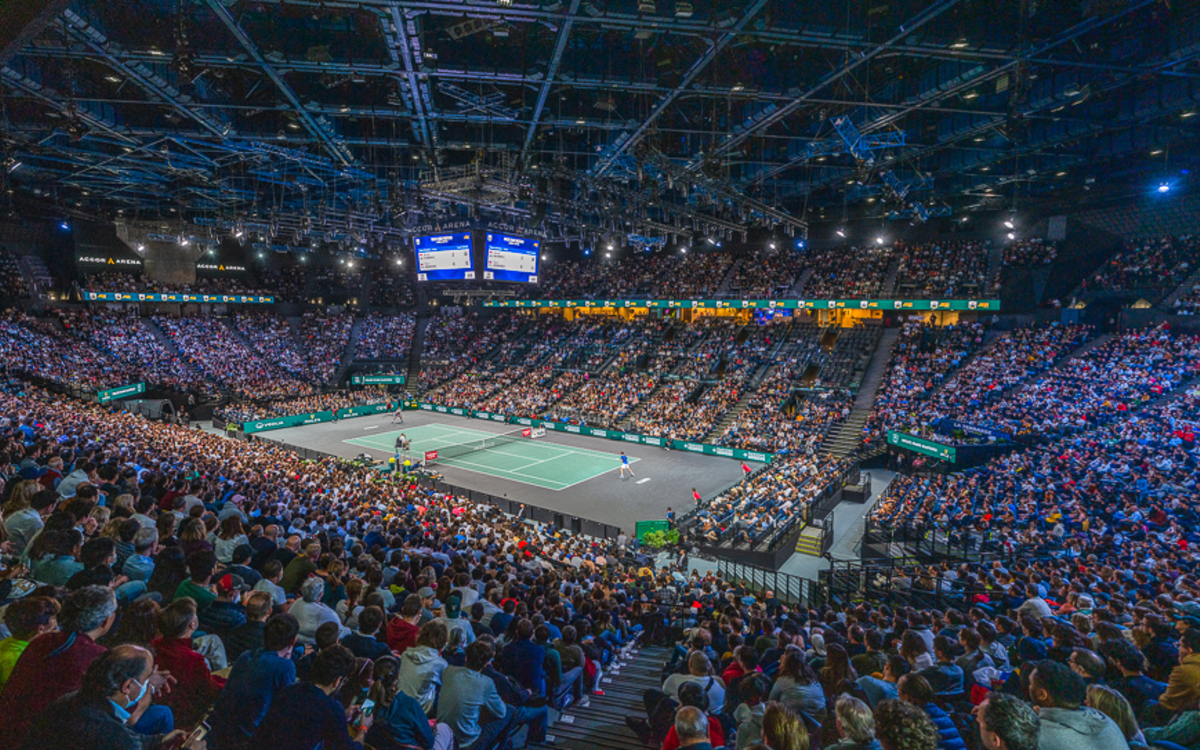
(529, 461)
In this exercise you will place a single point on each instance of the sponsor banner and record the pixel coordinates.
(947, 426)
(641, 528)
(430, 455)
(363, 411)
(279, 423)
(104, 260)
(113, 394)
(377, 379)
(990, 305)
(236, 299)
(922, 446)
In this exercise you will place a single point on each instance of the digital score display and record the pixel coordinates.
(444, 257)
(510, 258)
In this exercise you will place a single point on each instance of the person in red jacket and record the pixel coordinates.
(196, 688)
(402, 631)
(53, 664)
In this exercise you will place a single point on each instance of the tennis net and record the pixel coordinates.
(476, 445)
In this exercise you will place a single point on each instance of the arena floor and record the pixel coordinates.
(562, 472)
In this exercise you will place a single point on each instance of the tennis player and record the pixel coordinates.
(399, 414)
(625, 465)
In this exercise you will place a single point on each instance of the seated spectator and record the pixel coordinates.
(363, 643)
(195, 688)
(855, 725)
(399, 722)
(26, 619)
(312, 613)
(226, 613)
(422, 665)
(945, 677)
(1183, 685)
(53, 665)
(885, 688)
(304, 715)
(691, 729)
(783, 729)
(693, 696)
(249, 635)
(468, 693)
(114, 693)
(899, 725)
(797, 685)
(199, 587)
(915, 689)
(255, 679)
(1007, 723)
(402, 630)
(1059, 695)
(524, 660)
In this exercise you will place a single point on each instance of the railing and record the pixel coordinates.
(898, 584)
(786, 587)
(927, 541)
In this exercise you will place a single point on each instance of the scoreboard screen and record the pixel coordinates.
(444, 257)
(510, 258)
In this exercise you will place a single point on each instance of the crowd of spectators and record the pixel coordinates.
(599, 400)
(214, 350)
(847, 271)
(174, 575)
(1032, 252)
(323, 338)
(385, 336)
(33, 347)
(127, 339)
(115, 281)
(1152, 265)
(1006, 362)
(943, 269)
(390, 285)
(665, 275)
(454, 343)
(241, 412)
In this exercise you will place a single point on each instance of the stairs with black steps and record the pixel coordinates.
(601, 724)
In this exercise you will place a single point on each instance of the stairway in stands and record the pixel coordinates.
(412, 379)
(889, 283)
(843, 439)
(350, 352)
(601, 725)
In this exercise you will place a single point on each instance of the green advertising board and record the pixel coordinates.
(642, 528)
(921, 445)
(377, 380)
(120, 392)
(363, 411)
(989, 305)
(279, 423)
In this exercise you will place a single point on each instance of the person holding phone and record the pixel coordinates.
(116, 692)
(399, 720)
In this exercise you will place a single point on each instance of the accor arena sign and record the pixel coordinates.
(96, 260)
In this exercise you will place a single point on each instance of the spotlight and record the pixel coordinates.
(1009, 224)
(1012, 235)
(610, 247)
(260, 255)
(141, 248)
(841, 232)
(683, 250)
(238, 234)
(772, 245)
(399, 261)
(878, 240)
(184, 241)
(799, 244)
(350, 264)
(1164, 188)
(66, 227)
(711, 241)
(545, 257)
(608, 255)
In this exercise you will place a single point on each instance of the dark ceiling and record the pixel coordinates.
(390, 115)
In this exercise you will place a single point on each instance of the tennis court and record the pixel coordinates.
(526, 460)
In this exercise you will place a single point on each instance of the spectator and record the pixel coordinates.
(915, 689)
(26, 619)
(1007, 723)
(855, 725)
(195, 686)
(691, 727)
(422, 665)
(399, 721)
(899, 725)
(306, 714)
(312, 613)
(114, 693)
(782, 729)
(1065, 724)
(468, 693)
(249, 635)
(1183, 685)
(255, 679)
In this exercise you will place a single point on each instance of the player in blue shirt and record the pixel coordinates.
(625, 465)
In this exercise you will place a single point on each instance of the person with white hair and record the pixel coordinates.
(312, 614)
(855, 725)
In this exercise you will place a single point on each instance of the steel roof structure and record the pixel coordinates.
(585, 117)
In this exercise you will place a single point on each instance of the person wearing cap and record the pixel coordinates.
(227, 612)
(453, 619)
(429, 603)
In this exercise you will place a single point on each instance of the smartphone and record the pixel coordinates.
(367, 707)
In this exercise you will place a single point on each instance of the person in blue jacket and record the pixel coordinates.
(915, 689)
(399, 721)
(254, 681)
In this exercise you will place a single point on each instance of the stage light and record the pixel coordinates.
(841, 232)
(545, 257)
(772, 245)
(350, 264)
(65, 226)
(878, 240)
(608, 255)
(683, 250)
(238, 234)
(711, 241)
(260, 255)
(141, 248)
(184, 241)
(1009, 224)
(399, 261)
(610, 247)
(1164, 188)
(1012, 236)
(799, 244)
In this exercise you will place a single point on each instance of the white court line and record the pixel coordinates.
(372, 427)
(642, 481)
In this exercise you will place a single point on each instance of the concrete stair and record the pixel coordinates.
(601, 724)
(624, 424)
(889, 283)
(730, 416)
(876, 369)
(414, 354)
(809, 542)
(797, 290)
(844, 439)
